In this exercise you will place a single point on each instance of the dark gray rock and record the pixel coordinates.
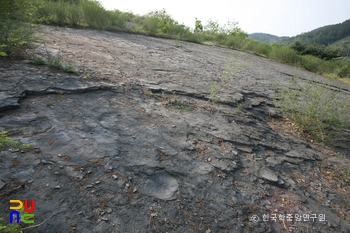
(106, 149)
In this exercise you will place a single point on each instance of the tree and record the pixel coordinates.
(198, 26)
(16, 30)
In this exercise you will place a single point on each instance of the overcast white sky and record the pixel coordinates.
(277, 17)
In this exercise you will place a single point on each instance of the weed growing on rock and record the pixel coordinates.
(38, 61)
(69, 69)
(231, 69)
(316, 111)
(10, 228)
(8, 143)
(346, 176)
(56, 64)
(148, 93)
(179, 104)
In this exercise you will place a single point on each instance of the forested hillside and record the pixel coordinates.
(326, 35)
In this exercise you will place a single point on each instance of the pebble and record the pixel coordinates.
(30, 181)
(135, 190)
(58, 187)
(97, 182)
(115, 177)
(89, 186)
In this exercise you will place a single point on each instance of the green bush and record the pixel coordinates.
(74, 15)
(316, 111)
(117, 19)
(38, 61)
(344, 71)
(94, 14)
(257, 47)
(284, 54)
(56, 64)
(159, 22)
(16, 28)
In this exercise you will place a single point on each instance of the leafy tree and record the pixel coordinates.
(198, 26)
(321, 51)
(158, 21)
(16, 30)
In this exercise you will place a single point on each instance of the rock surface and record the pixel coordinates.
(131, 143)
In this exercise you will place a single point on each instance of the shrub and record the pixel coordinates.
(316, 111)
(344, 71)
(74, 14)
(38, 61)
(284, 54)
(16, 30)
(69, 69)
(94, 14)
(158, 22)
(117, 19)
(56, 64)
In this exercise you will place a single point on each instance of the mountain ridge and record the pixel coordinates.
(325, 35)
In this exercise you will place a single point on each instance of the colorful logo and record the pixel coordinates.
(26, 217)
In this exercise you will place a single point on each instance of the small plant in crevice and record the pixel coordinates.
(231, 69)
(38, 61)
(148, 93)
(8, 143)
(56, 64)
(316, 111)
(69, 69)
(179, 104)
(239, 107)
(86, 76)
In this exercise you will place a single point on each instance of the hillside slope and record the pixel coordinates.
(323, 36)
(131, 143)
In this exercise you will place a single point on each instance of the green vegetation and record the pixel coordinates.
(7, 143)
(179, 104)
(38, 61)
(231, 69)
(54, 63)
(148, 93)
(316, 111)
(10, 228)
(346, 176)
(16, 26)
(326, 35)
(69, 69)
(321, 51)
